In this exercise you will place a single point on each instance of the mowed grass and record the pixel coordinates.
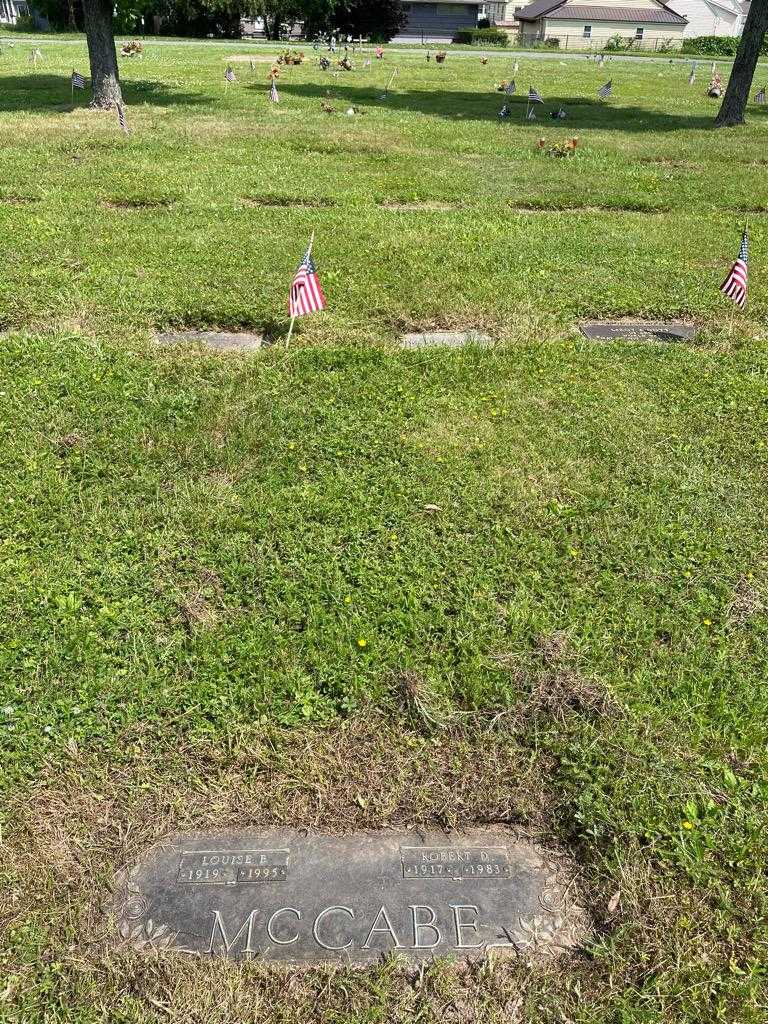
(344, 586)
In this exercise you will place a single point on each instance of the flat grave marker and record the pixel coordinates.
(444, 339)
(221, 341)
(638, 330)
(307, 898)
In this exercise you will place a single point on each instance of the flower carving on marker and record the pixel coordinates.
(132, 926)
(133, 904)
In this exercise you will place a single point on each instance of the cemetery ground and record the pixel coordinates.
(340, 585)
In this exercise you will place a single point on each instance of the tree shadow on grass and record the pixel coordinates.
(53, 94)
(582, 111)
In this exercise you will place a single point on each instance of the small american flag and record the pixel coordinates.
(78, 82)
(229, 74)
(122, 118)
(533, 96)
(306, 295)
(605, 90)
(760, 96)
(274, 95)
(531, 116)
(735, 285)
(511, 88)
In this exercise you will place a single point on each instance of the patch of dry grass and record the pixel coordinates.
(80, 822)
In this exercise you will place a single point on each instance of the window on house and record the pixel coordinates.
(639, 33)
(587, 31)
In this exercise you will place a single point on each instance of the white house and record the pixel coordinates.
(590, 24)
(710, 17)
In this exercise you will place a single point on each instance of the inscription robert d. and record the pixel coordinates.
(230, 867)
(454, 862)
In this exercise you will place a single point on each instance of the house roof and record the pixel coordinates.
(730, 6)
(658, 14)
(639, 16)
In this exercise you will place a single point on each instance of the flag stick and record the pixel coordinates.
(732, 320)
(293, 318)
(72, 83)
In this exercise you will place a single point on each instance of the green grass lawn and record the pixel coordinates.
(218, 572)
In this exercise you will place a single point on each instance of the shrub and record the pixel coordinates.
(483, 36)
(25, 24)
(484, 23)
(618, 42)
(552, 43)
(667, 46)
(712, 46)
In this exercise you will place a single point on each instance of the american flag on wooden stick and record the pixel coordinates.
(760, 96)
(511, 88)
(533, 96)
(306, 295)
(122, 119)
(229, 74)
(78, 82)
(735, 285)
(605, 90)
(274, 95)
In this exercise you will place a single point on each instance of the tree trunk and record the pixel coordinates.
(72, 25)
(105, 80)
(737, 94)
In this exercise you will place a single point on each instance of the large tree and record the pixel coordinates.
(100, 33)
(737, 94)
(380, 20)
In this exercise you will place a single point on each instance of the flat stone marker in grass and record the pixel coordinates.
(444, 339)
(282, 895)
(222, 341)
(638, 330)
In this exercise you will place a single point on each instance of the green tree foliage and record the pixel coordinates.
(379, 20)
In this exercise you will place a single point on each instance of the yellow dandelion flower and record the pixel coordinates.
(362, 642)
(687, 825)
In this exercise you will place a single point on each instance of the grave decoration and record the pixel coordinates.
(290, 57)
(132, 49)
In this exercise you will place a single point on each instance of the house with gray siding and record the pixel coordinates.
(437, 22)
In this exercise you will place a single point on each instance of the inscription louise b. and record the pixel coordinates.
(311, 898)
(232, 867)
